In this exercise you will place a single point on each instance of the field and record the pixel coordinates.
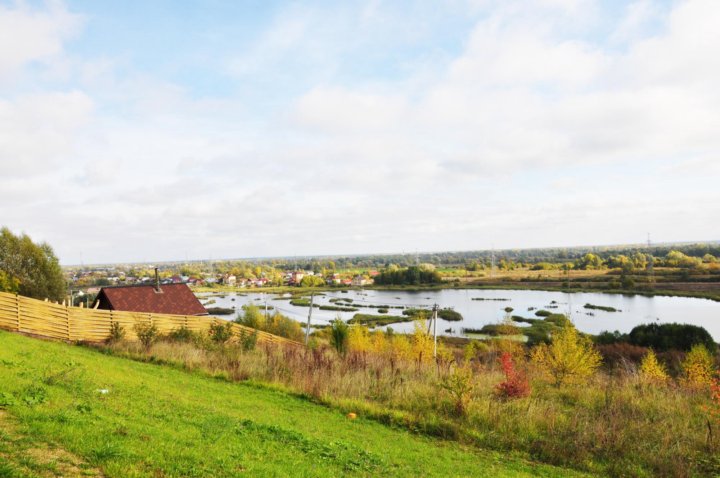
(73, 411)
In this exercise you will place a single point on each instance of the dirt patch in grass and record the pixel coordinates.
(20, 456)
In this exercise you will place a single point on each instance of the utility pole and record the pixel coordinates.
(307, 330)
(435, 315)
(266, 311)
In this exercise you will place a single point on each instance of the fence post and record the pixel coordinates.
(17, 311)
(67, 323)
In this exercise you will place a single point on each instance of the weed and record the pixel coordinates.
(34, 395)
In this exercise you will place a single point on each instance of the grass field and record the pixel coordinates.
(73, 411)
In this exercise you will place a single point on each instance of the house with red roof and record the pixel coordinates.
(175, 299)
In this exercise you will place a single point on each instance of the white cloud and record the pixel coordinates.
(28, 35)
(39, 131)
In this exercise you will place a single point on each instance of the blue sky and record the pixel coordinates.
(164, 130)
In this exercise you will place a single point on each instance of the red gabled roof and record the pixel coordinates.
(173, 299)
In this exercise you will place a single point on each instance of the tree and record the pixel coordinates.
(312, 281)
(7, 283)
(589, 261)
(698, 367)
(678, 259)
(29, 269)
(570, 357)
(651, 370)
(665, 337)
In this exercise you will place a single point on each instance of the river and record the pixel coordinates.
(487, 308)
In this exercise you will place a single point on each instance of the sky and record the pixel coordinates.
(173, 129)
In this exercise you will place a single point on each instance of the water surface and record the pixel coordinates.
(633, 309)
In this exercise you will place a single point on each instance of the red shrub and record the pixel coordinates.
(714, 408)
(516, 384)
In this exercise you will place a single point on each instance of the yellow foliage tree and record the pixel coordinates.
(698, 367)
(422, 343)
(359, 339)
(400, 347)
(570, 357)
(378, 343)
(651, 370)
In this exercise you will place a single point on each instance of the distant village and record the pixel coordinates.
(92, 279)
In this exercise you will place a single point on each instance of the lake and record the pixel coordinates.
(633, 309)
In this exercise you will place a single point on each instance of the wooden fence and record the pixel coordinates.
(56, 321)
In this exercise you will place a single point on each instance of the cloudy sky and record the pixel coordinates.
(163, 130)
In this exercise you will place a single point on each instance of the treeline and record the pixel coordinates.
(29, 269)
(413, 275)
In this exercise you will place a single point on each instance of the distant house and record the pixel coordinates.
(297, 277)
(359, 281)
(159, 299)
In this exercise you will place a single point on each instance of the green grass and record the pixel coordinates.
(372, 320)
(159, 421)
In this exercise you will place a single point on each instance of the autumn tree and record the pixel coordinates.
(698, 367)
(570, 357)
(651, 370)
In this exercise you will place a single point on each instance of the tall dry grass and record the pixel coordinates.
(616, 423)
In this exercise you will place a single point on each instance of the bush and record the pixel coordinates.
(543, 313)
(497, 329)
(460, 385)
(220, 332)
(450, 315)
(283, 326)
(339, 334)
(146, 333)
(516, 384)
(671, 336)
(619, 354)
(248, 340)
(252, 317)
(605, 337)
(570, 357)
(117, 333)
(181, 334)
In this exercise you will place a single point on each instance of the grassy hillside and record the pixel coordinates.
(72, 411)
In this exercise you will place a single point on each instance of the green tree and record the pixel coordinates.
(312, 281)
(29, 269)
(589, 261)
